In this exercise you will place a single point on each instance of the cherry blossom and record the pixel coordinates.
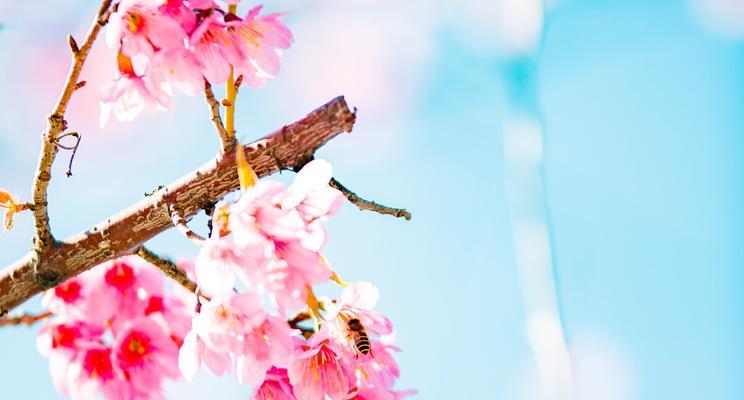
(318, 371)
(167, 45)
(356, 302)
(275, 238)
(116, 332)
(276, 386)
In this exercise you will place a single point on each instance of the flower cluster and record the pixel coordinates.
(167, 45)
(116, 333)
(268, 244)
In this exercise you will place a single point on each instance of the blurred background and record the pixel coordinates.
(575, 170)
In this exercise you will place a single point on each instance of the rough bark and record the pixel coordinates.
(126, 231)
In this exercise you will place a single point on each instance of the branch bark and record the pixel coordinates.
(126, 231)
(56, 124)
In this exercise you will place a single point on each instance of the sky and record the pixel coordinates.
(640, 108)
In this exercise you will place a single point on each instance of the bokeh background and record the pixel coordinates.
(629, 161)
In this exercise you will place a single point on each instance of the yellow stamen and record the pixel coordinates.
(313, 307)
(334, 275)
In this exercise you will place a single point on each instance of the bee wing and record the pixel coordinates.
(375, 322)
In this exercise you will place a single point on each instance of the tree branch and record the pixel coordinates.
(168, 267)
(24, 319)
(369, 205)
(56, 124)
(180, 223)
(214, 110)
(125, 232)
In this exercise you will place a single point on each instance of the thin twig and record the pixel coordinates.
(168, 267)
(180, 223)
(56, 124)
(295, 324)
(24, 319)
(74, 148)
(209, 211)
(214, 109)
(369, 205)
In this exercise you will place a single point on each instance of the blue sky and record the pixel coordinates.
(644, 171)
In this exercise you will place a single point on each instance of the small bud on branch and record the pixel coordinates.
(73, 45)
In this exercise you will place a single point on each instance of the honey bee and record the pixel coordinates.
(360, 337)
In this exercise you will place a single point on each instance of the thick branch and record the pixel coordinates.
(369, 205)
(56, 124)
(168, 267)
(125, 232)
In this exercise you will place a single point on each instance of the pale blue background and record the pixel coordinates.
(644, 117)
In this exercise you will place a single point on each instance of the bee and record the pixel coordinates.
(360, 337)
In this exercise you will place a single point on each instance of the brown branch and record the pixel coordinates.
(369, 205)
(168, 267)
(126, 231)
(180, 223)
(214, 109)
(294, 323)
(56, 124)
(24, 319)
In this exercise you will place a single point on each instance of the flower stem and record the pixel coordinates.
(230, 93)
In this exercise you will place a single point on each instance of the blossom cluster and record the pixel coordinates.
(168, 45)
(268, 243)
(116, 332)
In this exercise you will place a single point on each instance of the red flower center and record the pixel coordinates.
(155, 305)
(97, 363)
(135, 349)
(121, 276)
(135, 22)
(68, 291)
(64, 336)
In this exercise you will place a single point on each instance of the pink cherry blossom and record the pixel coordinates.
(216, 265)
(250, 45)
(115, 334)
(356, 302)
(269, 344)
(95, 373)
(311, 194)
(194, 352)
(378, 368)
(177, 69)
(218, 332)
(140, 27)
(259, 40)
(146, 353)
(317, 371)
(275, 239)
(276, 386)
(216, 47)
(120, 289)
(201, 4)
(130, 93)
(68, 298)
